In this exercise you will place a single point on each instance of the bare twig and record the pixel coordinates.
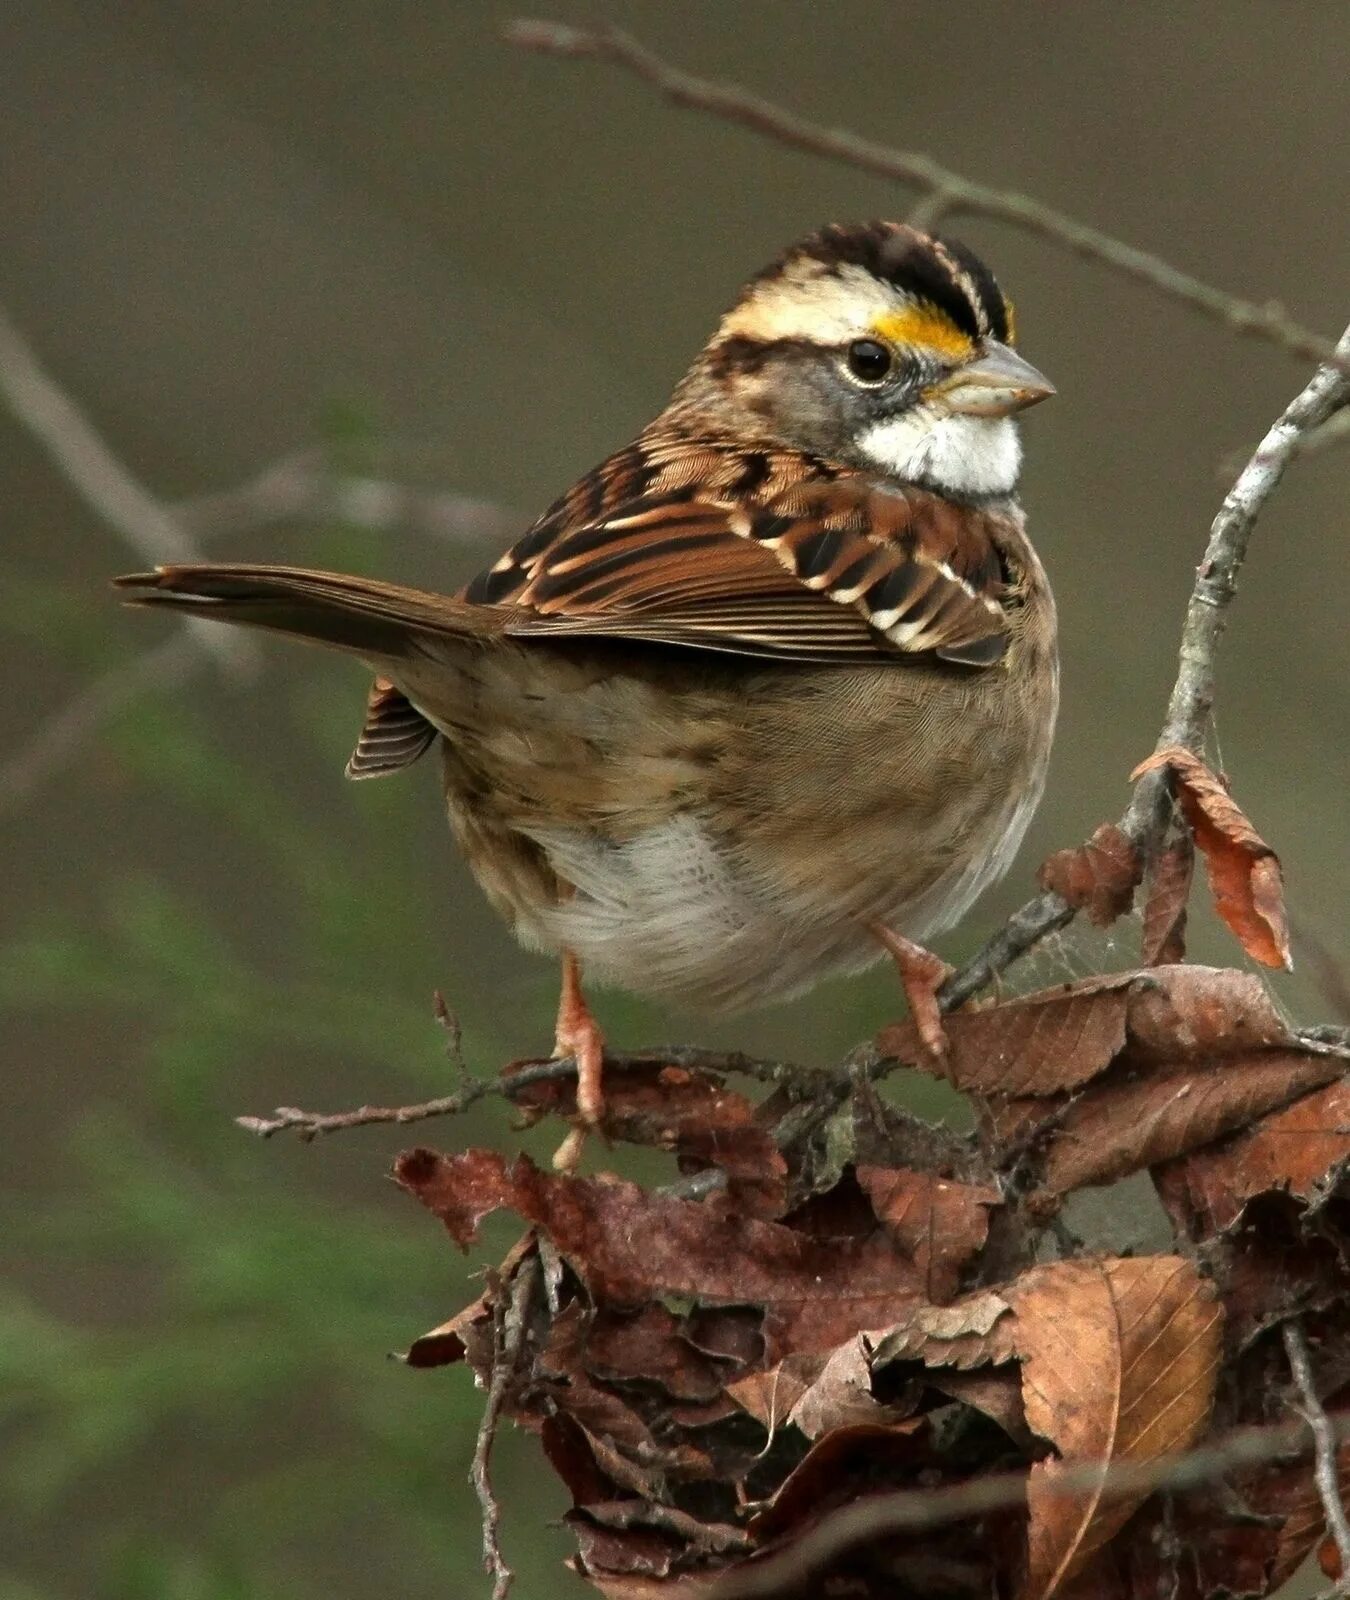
(919, 1510)
(1326, 1469)
(716, 1538)
(309, 1125)
(949, 191)
(512, 1326)
(1192, 698)
(86, 462)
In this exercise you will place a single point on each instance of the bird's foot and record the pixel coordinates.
(577, 1034)
(922, 974)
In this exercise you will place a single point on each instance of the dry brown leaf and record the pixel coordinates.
(625, 1563)
(469, 1331)
(1291, 1493)
(631, 1247)
(940, 1224)
(1244, 872)
(1187, 1013)
(1195, 1546)
(649, 1346)
(841, 1394)
(1098, 877)
(1169, 890)
(1119, 1359)
(625, 1449)
(468, 1335)
(770, 1396)
(1059, 1039)
(1037, 1044)
(678, 1586)
(1298, 1150)
(995, 1392)
(686, 1111)
(975, 1331)
(1116, 1128)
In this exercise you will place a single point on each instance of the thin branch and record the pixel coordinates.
(951, 191)
(1192, 697)
(512, 1327)
(309, 1125)
(105, 484)
(705, 1538)
(919, 1510)
(1326, 1469)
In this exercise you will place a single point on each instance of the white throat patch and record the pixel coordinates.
(963, 453)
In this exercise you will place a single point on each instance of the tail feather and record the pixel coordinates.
(362, 615)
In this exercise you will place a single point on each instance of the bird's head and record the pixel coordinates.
(880, 347)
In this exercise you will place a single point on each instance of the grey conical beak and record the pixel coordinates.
(995, 383)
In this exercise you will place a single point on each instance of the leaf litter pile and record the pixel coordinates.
(849, 1354)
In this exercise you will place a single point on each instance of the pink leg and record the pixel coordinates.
(921, 975)
(578, 1034)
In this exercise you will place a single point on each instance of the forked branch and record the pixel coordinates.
(1192, 699)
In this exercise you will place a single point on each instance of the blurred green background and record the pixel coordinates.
(373, 231)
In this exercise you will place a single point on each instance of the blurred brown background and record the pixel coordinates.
(232, 232)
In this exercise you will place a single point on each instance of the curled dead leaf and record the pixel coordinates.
(837, 1468)
(841, 1394)
(1038, 1044)
(975, 1331)
(1169, 890)
(1244, 872)
(684, 1110)
(1059, 1039)
(1098, 877)
(1301, 1150)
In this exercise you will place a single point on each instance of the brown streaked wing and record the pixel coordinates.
(808, 564)
(923, 571)
(675, 572)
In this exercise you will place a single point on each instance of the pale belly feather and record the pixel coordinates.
(723, 849)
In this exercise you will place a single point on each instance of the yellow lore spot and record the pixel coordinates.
(925, 326)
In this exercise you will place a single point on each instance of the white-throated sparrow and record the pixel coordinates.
(770, 688)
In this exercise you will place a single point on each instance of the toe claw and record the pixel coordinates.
(922, 974)
(578, 1034)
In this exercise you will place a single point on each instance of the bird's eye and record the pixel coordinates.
(869, 361)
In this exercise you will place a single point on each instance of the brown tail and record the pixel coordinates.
(378, 621)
